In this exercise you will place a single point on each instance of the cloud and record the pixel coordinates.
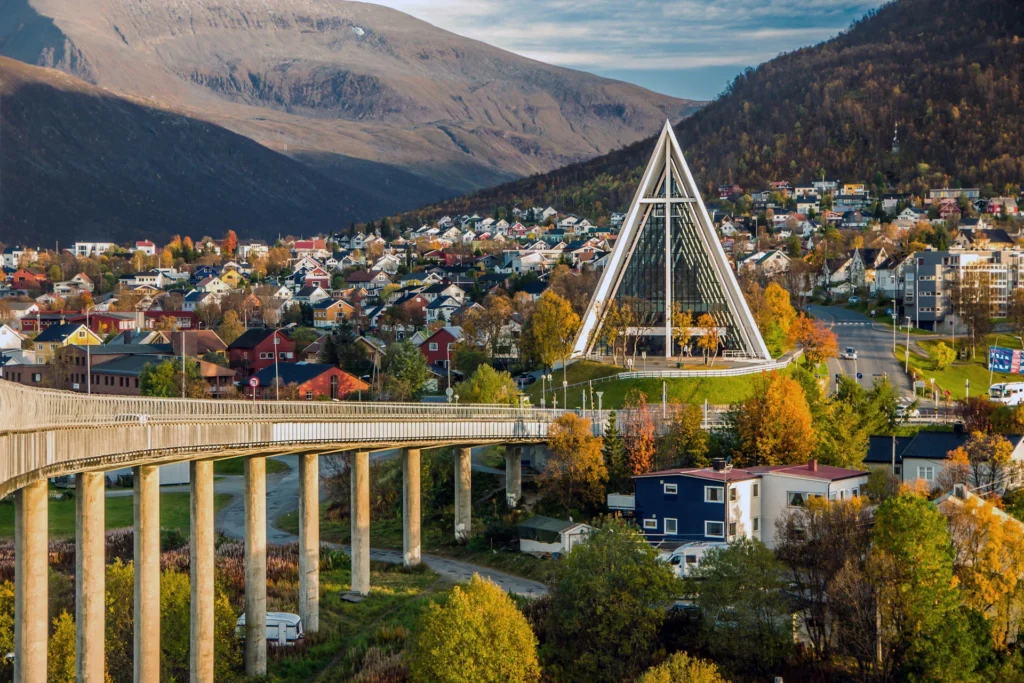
(642, 35)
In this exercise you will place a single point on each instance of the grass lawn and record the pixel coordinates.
(174, 514)
(237, 466)
(954, 376)
(580, 371)
(383, 619)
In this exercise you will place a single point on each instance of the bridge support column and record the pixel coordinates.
(146, 490)
(255, 566)
(360, 515)
(90, 581)
(309, 541)
(411, 506)
(463, 493)
(201, 572)
(513, 475)
(31, 599)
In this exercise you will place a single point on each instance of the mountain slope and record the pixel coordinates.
(949, 74)
(79, 163)
(332, 80)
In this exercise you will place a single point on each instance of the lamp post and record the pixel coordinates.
(88, 353)
(895, 320)
(906, 367)
(277, 375)
(565, 393)
(643, 354)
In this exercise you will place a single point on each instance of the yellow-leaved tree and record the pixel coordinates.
(682, 668)
(773, 426)
(575, 472)
(477, 636)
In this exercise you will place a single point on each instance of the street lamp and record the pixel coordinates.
(88, 352)
(907, 365)
(277, 376)
(565, 393)
(599, 407)
(643, 354)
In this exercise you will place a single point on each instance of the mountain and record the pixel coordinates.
(360, 92)
(943, 77)
(79, 163)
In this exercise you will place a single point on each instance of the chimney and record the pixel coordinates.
(718, 464)
(812, 465)
(140, 320)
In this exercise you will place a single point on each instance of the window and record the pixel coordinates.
(37, 377)
(732, 529)
(691, 559)
(713, 494)
(898, 470)
(670, 525)
(797, 499)
(714, 529)
(926, 472)
(732, 495)
(853, 492)
(433, 346)
(671, 489)
(309, 395)
(755, 524)
(650, 524)
(757, 489)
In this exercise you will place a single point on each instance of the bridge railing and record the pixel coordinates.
(28, 408)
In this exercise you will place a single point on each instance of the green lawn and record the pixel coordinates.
(581, 371)
(174, 514)
(954, 377)
(237, 466)
(383, 620)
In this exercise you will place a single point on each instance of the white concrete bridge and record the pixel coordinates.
(45, 434)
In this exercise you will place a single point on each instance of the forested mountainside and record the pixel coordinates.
(920, 93)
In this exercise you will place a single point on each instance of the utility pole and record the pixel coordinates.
(183, 363)
(277, 375)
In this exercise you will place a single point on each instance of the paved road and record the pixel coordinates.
(283, 497)
(874, 348)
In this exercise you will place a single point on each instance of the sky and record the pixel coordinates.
(685, 48)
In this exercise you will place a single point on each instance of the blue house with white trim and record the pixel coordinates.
(698, 504)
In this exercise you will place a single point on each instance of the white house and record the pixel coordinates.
(90, 248)
(543, 535)
(10, 338)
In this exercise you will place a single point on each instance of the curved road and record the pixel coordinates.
(873, 344)
(283, 497)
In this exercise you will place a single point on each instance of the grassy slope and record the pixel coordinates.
(395, 602)
(953, 377)
(174, 514)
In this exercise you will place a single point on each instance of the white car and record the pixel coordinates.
(849, 354)
(907, 410)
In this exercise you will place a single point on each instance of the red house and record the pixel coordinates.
(26, 279)
(255, 350)
(312, 381)
(439, 347)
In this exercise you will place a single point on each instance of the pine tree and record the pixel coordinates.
(614, 451)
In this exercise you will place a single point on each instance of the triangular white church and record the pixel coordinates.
(678, 262)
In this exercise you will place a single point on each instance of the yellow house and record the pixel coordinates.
(326, 312)
(57, 336)
(233, 278)
(853, 189)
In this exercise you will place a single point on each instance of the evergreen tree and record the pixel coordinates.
(614, 451)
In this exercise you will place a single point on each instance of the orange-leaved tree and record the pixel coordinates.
(819, 342)
(773, 426)
(575, 472)
(638, 433)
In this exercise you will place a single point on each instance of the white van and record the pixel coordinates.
(283, 628)
(687, 557)
(1009, 393)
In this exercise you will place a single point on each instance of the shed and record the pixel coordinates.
(540, 534)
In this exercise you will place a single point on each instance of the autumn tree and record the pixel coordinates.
(405, 372)
(819, 343)
(682, 328)
(988, 560)
(575, 472)
(477, 635)
(773, 426)
(165, 380)
(229, 243)
(553, 330)
(60, 660)
(209, 314)
(612, 331)
(638, 433)
(682, 668)
(710, 337)
(990, 456)
(776, 318)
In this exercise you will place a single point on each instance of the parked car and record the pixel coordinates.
(688, 556)
(849, 354)
(525, 379)
(283, 628)
(854, 299)
(907, 409)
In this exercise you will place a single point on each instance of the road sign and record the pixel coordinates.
(889, 311)
(837, 376)
(254, 382)
(947, 393)
(448, 392)
(860, 375)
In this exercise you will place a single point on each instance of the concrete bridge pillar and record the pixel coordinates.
(309, 541)
(463, 493)
(513, 475)
(411, 506)
(360, 515)
(201, 572)
(146, 489)
(255, 566)
(90, 579)
(31, 599)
